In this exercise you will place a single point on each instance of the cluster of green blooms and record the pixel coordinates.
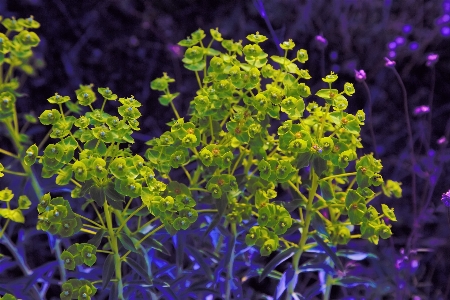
(78, 254)
(6, 196)
(77, 289)
(175, 208)
(56, 216)
(231, 115)
(16, 51)
(239, 160)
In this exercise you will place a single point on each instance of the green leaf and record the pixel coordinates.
(221, 204)
(139, 269)
(355, 255)
(353, 197)
(328, 251)
(167, 98)
(126, 242)
(352, 281)
(326, 190)
(356, 213)
(278, 259)
(24, 202)
(31, 154)
(388, 212)
(6, 195)
(98, 194)
(107, 270)
(198, 256)
(12, 214)
(153, 243)
(97, 238)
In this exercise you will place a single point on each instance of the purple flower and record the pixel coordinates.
(421, 110)
(446, 198)
(442, 141)
(321, 42)
(360, 75)
(432, 59)
(389, 63)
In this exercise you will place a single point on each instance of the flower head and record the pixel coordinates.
(421, 110)
(432, 59)
(360, 75)
(389, 63)
(321, 42)
(446, 198)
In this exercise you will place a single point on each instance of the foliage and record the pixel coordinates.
(236, 165)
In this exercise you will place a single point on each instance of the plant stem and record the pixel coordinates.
(230, 266)
(115, 249)
(411, 152)
(369, 112)
(304, 237)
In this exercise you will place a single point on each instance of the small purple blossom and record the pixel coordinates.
(321, 42)
(446, 198)
(421, 110)
(407, 28)
(413, 46)
(442, 141)
(432, 59)
(360, 75)
(389, 63)
(400, 40)
(445, 31)
(392, 45)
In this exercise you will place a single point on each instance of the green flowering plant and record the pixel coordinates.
(250, 135)
(17, 42)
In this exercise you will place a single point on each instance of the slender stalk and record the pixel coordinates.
(411, 149)
(114, 247)
(430, 104)
(369, 114)
(230, 266)
(304, 237)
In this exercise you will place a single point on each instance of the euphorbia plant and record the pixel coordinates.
(250, 156)
(16, 54)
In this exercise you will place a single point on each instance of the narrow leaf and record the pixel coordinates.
(201, 261)
(287, 277)
(181, 245)
(108, 270)
(153, 243)
(330, 252)
(139, 269)
(126, 242)
(352, 281)
(221, 206)
(278, 259)
(97, 238)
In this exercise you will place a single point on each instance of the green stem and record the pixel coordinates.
(15, 173)
(230, 266)
(327, 293)
(338, 175)
(16, 141)
(8, 153)
(124, 222)
(305, 228)
(115, 249)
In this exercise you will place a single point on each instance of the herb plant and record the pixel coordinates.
(16, 53)
(253, 162)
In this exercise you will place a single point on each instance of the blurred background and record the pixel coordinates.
(124, 44)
